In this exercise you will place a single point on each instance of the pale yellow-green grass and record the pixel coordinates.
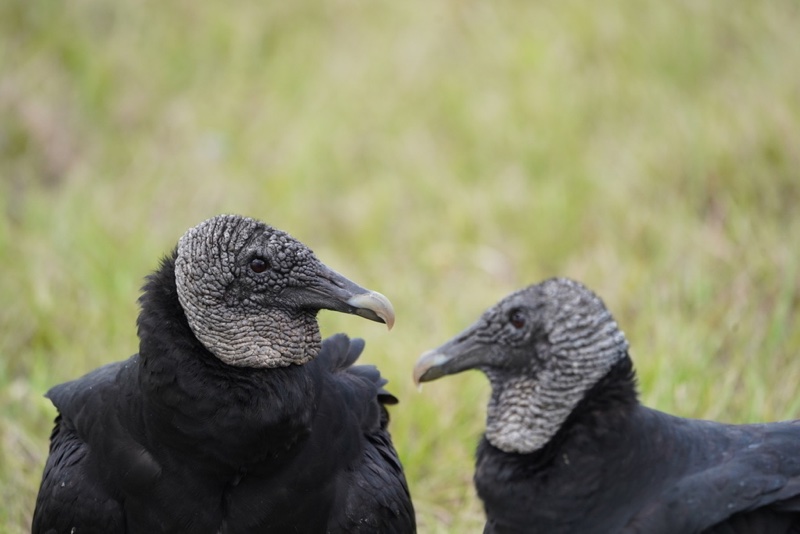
(444, 154)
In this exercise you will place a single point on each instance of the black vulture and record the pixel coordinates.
(569, 448)
(234, 417)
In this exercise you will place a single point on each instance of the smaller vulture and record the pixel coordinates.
(569, 449)
(234, 417)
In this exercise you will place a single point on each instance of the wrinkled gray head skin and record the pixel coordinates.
(251, 293)
(542, 348)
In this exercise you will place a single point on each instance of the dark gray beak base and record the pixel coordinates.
(461, 353)
(333, 291)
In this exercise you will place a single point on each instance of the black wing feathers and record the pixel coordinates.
(378, 477)
(617, 466)
(736, 479)
(71, 494)
(74, 492)
(182, 439)
(347, 470)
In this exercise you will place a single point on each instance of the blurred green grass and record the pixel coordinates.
(444, 154)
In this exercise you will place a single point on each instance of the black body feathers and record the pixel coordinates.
(175, 440)
(618, 466)
(569, 449)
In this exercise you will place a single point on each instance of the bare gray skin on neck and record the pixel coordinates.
(225, 309)
(542, 348)
(526, 411)
(579, 342)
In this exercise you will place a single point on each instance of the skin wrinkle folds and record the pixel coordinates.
(520, 422)
(568, 447)
(207, 269)
(214, 426)
(583, 343)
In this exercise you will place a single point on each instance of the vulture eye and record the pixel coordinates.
(517, 319)
(259, 265)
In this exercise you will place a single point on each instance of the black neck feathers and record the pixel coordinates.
(604, 407)
(183, 382)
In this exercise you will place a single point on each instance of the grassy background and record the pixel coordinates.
(442, 153)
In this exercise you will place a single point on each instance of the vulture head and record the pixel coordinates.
(251, 293)
(542, 349)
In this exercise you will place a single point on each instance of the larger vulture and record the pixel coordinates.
(569, 449)
(233, 417)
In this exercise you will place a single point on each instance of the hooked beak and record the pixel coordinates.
(374, 306)
(332, 291)
(461, 353)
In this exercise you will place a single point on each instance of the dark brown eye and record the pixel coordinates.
(258, 265)
(517, 319)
